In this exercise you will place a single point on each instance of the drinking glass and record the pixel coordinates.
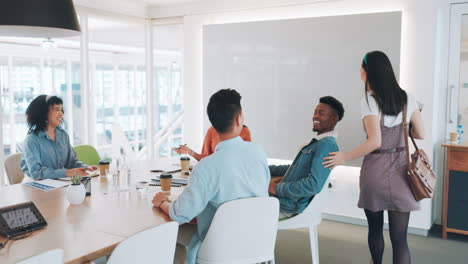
(116, 181)
(141, 189)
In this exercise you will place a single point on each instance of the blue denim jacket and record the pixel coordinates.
(306, 176)
(43, 158)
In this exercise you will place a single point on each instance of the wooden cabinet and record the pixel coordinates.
(455, 207)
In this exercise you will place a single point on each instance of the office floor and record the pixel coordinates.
(347, 244)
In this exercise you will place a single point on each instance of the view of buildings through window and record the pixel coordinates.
(117, 74)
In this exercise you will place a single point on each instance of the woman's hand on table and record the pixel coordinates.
(92, 168)
(76, 172)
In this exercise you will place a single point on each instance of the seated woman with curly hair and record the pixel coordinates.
(47, 153)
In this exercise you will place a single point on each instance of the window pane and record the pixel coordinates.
(168, 90)
(119, 84)
(103, 91)
(76, 103)
(5, 103)
(25, 86)
(38, 66)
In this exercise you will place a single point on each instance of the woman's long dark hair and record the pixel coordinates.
(38, 111)
(380, 77)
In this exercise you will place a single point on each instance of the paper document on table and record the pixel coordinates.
(46, 185)
(174, 180)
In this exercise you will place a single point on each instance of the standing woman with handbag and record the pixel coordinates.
(384, 183)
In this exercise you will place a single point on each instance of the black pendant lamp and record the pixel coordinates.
(38, 18)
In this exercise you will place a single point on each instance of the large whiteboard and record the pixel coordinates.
(281, 68)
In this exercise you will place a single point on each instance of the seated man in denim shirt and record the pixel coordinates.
(237, 169)
(306, 176)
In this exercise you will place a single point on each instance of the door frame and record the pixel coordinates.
(453, 78)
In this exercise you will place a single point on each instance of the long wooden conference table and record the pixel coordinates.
(92, 229)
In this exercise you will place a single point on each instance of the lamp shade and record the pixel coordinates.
(38, 18)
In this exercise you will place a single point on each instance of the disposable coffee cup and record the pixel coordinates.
(103, 167)
(453, 136)
(166, 182)
(184, 164)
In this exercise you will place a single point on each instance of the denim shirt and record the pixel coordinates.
(237, 169)
(43, 158)
(306, 175)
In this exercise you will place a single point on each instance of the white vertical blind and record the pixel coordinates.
(150, 117)
(69, 102)
(84, 51)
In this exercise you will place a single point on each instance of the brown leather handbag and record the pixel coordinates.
(422, 178)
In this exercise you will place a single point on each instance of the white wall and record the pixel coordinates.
(463, 94)
(419, 54)
(282, 67)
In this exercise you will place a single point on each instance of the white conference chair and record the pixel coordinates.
(310, 218)
(54, 256)
(154, 245)
(242, 231)
(13, 168)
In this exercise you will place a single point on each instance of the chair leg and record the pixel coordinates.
(314, 248)
(268, 262)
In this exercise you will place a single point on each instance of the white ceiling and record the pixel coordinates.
(166, 2)
(177, 8)
(151, 3)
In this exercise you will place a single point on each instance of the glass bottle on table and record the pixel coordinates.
(461, 133)
(124, 173)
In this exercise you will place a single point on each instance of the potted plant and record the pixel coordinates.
(76, 192)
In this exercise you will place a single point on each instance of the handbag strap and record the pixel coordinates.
(407, 131)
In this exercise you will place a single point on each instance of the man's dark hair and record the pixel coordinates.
(37, 112)
(222, 109)
(334, 104)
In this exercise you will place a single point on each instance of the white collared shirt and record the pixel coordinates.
(327, 134)
(332, 133)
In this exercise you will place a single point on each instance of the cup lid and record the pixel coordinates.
(104, 162)
(184, 158)
(165, 176)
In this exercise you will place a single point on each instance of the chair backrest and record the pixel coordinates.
(54, 256)
(87, 154)
(312, 215)
(13, 168)
(315, 208)
(242, 231)
(154, 245)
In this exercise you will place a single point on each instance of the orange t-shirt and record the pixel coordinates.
(212, 139)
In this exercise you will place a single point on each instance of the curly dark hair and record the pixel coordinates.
(38, 111)
(334, 104)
